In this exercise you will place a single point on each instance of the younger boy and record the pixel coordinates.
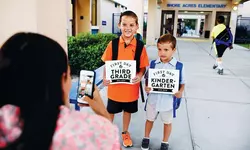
(162, 104)
(124, 97)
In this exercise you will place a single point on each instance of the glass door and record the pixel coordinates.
(167, 22)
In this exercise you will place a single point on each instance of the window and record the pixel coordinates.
(94, 13)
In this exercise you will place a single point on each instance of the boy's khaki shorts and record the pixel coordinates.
(152, 114)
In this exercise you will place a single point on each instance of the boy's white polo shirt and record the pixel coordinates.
(164, 102)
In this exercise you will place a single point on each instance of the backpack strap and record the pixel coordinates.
(221, 34)
(152, 66)
(138, 36)
(138, 51)
(231, 36)
(218, 40)
(115, 43)
(137, 58)
(177, 101)
(179, 67)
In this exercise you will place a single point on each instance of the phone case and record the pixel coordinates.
(86, 85)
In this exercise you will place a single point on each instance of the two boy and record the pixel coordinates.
(127, 101)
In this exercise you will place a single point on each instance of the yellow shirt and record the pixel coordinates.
(217, 30)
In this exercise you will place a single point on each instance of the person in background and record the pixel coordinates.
(222, 39)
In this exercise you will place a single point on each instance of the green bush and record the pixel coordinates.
(85, 50)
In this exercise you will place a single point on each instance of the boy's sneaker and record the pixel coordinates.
(164, 146)
(220, 71)
(215, 66)
(145, 144)
(127, 142)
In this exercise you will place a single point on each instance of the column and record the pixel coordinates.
(158, 22)
(83, 16)
(99, 19)
(175, 22)
(137, 6)
(198, 24)
(69, 17)
(233, 22)
(40, 16)
(151, 25)
(206, 21)
(212, 21)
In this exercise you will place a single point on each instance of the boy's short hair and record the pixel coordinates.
(130, 14)
(221, 19)
(167, 38)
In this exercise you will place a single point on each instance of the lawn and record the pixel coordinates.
(245, 45)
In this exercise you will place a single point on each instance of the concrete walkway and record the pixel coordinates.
(215, 112)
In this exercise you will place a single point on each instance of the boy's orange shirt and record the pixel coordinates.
(125, 92)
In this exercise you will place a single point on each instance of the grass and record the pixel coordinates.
(144, 40)
(245, 45)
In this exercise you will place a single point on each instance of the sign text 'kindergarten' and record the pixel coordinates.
(120, 71)
(163, 81)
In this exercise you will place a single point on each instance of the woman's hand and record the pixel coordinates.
(97, 104)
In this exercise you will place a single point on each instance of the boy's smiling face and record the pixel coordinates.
(128, 26)
(165, 51)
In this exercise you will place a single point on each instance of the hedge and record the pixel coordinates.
(85, 50)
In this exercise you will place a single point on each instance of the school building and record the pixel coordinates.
(102, 15)
(61, 18)
(166, 16)
(161, 16)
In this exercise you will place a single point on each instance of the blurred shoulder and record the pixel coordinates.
(81, 129)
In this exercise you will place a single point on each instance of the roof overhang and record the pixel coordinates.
(236, 2)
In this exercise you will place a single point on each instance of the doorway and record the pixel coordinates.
(226, 16)
(193, 24)
(167, 22)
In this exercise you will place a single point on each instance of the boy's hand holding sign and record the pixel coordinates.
(165, 81)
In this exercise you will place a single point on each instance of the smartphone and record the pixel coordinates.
(86, 85)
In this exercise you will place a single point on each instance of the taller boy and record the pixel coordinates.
(124, 97)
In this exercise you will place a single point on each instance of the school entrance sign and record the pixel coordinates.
(197, 5)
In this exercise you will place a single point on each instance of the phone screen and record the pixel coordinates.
(86, 85)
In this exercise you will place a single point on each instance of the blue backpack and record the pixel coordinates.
(224, 38)
(176, 101)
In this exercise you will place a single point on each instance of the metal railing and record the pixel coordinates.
(242, 34)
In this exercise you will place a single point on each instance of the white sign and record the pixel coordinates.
(165, 81)
(120, 71)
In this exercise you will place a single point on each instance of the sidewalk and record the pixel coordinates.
(215, 113)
